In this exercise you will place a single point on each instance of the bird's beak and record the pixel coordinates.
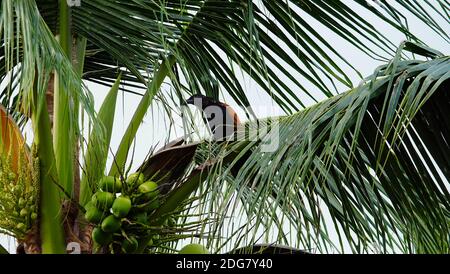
(189, 101)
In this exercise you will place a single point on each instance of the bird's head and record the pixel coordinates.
(200, 101)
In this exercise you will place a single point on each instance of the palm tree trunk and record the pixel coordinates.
(31, 244)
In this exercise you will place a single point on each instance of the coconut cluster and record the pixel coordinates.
(19, 190)
(118, 208)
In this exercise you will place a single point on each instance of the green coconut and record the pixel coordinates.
(101, 237)
(130, 244)
(135, 179)
(103, 200)
(111, 224)
(149, 190)
(121, 206)
(194, 249)
(89, 205)
(94, 215)
(110, 184)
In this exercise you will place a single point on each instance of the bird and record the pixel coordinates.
(223, 121)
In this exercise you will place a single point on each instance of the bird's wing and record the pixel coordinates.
(235, 118)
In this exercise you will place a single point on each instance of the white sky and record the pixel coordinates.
(154, 130)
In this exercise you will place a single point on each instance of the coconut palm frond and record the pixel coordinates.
(29, 54)
(252, 34)
(374, 161)
(271, 41)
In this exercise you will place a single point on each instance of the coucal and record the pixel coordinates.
(221, 118)
(222, 121)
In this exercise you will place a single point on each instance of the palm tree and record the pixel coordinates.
(373, 160)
